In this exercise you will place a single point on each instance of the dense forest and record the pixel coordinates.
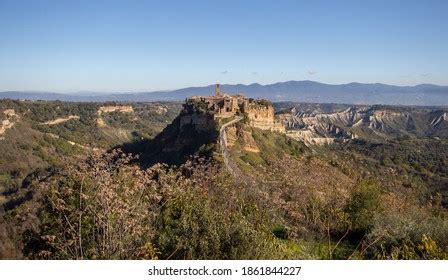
(82, 188)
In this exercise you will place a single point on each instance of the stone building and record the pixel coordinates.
(221, 106)
(200, 110)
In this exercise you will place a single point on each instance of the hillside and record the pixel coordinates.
(200, 182)
(39, 135)
(298, 91)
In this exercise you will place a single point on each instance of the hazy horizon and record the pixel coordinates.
(92, 92)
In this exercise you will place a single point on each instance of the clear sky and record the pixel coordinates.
(116, 46)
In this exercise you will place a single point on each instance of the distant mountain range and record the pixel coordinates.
(298, 91)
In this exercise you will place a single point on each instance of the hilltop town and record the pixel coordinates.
(203, 111)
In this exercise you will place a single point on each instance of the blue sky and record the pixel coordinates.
(116, 46)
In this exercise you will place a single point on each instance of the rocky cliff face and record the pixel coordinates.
(365, 122)
(248, 142)
(262, 116)
(118, 108)
(8, 121)
(189, 134)
(200, 122)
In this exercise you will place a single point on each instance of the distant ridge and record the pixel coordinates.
(298, 91)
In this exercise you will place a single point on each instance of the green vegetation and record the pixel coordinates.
(272, 146)
(363, 205)
(276, 145)
(353, 200)
(263, 102)
(30, 145)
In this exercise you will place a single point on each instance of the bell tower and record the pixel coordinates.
(217, 91)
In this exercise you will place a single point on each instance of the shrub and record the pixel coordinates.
(363, 205)
(192, 227)
(97, 210)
